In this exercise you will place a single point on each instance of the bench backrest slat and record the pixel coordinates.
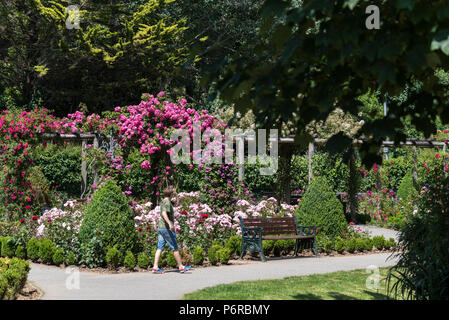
(272, 226)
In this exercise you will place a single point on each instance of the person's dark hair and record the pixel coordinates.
(168, 191)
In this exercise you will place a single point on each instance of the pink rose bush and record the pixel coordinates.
(62, 226)
(197, 224)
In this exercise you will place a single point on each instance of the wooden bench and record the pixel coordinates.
(254, 230)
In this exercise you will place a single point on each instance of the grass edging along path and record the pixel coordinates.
(341, 285)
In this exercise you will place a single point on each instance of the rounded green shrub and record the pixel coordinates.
(368, 244)
(359, 245)
(351, 245)
(224, 254)
(198, 256)
(339, 245)
(328, 246)
(171, 261)
(113, 258)
(130, 261)
(212, 254)
(20, 252)
(390, 243)
(109, 218)
(3, 288)
(277, 248)
(70, 259)
(8, 247)
(13, 277)
(163, 261)
(321, 207)
(287, 245)
(33, 249)
(267, 246)
(234, 243)
(379, 242)
(58, 257)
(143, 261)
(46, 251)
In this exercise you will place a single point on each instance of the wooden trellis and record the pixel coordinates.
(286, 155)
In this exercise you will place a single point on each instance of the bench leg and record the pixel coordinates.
(315, 249)
(242, 252)
(262, 256)
(296, 247)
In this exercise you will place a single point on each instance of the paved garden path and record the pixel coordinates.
(377, 231)
(172, 285)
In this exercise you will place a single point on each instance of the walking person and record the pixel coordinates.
(166, 231)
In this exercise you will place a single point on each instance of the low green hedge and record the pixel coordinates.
(13, 276)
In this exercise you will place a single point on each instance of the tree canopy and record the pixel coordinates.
(314, 56)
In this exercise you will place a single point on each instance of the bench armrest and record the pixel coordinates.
(307, 230)
(250, 232)
(253, 233)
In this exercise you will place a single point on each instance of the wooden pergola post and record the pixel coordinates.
(415, 167)
(309, 160)
(284, 176)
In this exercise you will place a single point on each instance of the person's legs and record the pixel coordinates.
(156, 259)
(170, 238)
(160, 246)
(178, 259)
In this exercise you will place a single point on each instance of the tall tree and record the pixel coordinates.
(118, 52)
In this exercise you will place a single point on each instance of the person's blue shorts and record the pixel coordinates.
(166, 236)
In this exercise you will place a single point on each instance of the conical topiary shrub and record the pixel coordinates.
(108, 220)
(321, 207)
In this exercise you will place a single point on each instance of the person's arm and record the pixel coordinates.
(165, 216)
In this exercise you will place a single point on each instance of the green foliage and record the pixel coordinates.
(113, 258)
(224, 254)
(406, 190)
(41, 187)
(351, 245)
(277, 248)
(8, 247)
(301, 45)
(422, 268)
(389, 244)
(234, 243)
(267, 246)
(328, 246)
(13, 276)
(394, 172)
(130, 260)
(58, 257)
(212, 254)
(198, 256)
(359, 244)
(113, 37)
(33, 249)
(93, 252)
(61, 166)
(379, 242)
(109, 218)
(368, 244)
(143, 261)
(171, 261)
(20, 253)
(70, 259)
(339, 245)
(321, 207)
(46, 250)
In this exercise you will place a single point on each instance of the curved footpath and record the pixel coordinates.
(61, 284)
(57, 283)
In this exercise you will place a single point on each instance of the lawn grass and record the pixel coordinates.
(342, 285)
